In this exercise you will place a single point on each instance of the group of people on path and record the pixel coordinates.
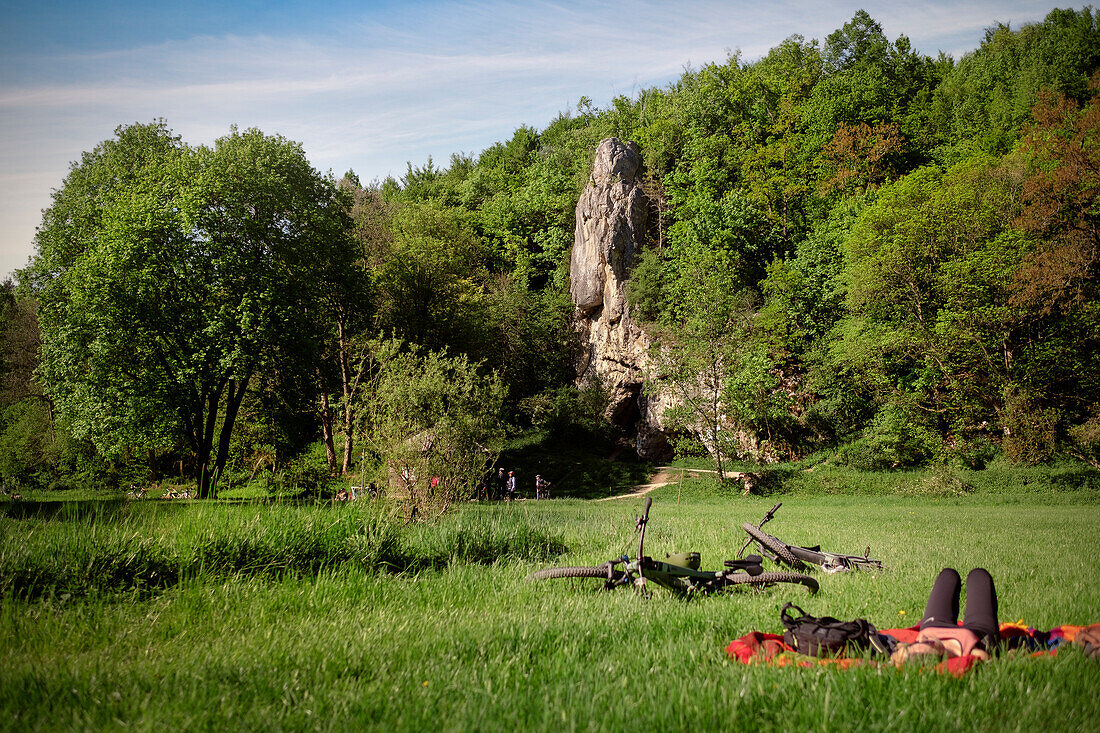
(503, 486)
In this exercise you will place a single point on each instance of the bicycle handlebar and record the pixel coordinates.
(642, 521)
(767, 518)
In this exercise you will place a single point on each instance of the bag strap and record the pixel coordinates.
(789, 622)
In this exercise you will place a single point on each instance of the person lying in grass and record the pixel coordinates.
(940, 634)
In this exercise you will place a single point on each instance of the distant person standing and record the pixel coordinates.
(511, 486)
(500, 485)
(542, 487)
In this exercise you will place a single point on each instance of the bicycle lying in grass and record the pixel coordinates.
(798, 558)
(680, 574)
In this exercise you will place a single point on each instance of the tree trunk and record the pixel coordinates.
(205, 439)
(347, 389)
(351, 388)
(326, 427)
(232, 406)
(348, 445)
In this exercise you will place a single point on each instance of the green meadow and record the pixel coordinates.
(176, 615)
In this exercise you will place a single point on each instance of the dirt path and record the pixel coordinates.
(665, 475)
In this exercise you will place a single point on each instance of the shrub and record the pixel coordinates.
(896, 437)
(1031, 431)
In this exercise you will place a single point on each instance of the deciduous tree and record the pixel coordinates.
(433, 420)
(170, 276)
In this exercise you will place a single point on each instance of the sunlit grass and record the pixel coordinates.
(458, 640)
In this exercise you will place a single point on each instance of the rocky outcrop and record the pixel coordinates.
(611, 219)
(611, 216)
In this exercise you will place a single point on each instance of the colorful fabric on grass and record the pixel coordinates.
(758, 647)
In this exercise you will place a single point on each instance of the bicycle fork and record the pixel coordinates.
(632, 573)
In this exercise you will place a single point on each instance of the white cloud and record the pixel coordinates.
(382, 90)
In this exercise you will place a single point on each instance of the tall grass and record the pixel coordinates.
(449, 636)
(144, 546)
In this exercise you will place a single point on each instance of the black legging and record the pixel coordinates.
(981, 603)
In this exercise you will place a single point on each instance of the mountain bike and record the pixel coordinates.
(799, 558)
(680, 572)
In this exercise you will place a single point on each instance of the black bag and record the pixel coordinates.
(826, 636)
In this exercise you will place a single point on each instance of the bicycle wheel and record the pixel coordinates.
(773, 545)
(766, 579)
(599, 572)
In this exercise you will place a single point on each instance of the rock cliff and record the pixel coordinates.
(611, 220)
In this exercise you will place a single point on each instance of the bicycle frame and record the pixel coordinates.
(675, 578)
(834, 562)
(830, 562)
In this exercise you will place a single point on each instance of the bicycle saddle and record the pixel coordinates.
(753, 564)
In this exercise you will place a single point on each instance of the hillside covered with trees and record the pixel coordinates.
(898, 253)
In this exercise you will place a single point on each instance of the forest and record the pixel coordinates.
(896, 254)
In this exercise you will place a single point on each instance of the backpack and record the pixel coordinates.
(822, 636)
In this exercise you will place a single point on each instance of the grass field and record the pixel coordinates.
(184, 615)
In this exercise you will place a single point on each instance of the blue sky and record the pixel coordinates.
(372, 85)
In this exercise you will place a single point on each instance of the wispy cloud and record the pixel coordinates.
(398, 82)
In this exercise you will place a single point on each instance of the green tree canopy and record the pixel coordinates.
(169, 276)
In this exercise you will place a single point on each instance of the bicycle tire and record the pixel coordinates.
(773, 545)
(765, 579)
(599, 572)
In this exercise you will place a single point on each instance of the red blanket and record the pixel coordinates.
(757, 647)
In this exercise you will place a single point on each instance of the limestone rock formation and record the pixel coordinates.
(611, 219)
(611, 216)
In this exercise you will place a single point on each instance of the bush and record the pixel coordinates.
(895, 438)
(1031, 431)
(304, 477)
(645, 287)
(570, 413)
(940, 480)
(975, 452)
